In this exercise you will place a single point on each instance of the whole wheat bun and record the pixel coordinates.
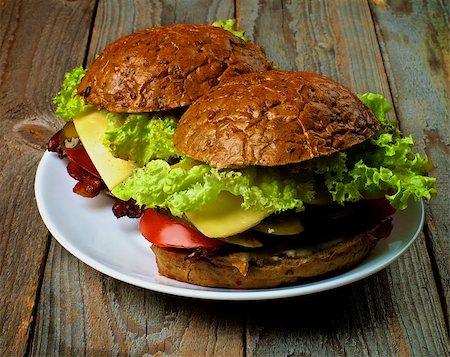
(273, 118)
(267, 270)
(167, 67)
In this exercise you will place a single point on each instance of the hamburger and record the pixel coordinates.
(281, 177)
(245, 177)
(131, 96)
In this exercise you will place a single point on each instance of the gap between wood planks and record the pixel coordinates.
(436, 275)
(34, 311)
(91, 30)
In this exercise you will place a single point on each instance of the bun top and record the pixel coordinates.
(273, 118)
(167, 67)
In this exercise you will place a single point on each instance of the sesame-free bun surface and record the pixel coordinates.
(263, 270)
(273, 118)
(167, 67)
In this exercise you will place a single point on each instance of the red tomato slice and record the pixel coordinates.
(165, 232)
(81, 157)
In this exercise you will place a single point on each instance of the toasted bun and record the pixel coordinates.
(167, 67)
(273, 118)
(261, 270)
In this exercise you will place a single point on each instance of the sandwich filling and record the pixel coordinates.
(221, 203)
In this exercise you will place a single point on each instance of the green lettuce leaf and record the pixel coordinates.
(364, 179)
(68, 103)
(230, 25)
(186, 190)
(380, 107)
(141, 137)
(396, 153)
(387, 162)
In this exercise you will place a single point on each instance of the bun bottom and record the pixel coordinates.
(251, 270)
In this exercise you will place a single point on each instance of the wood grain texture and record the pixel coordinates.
(85, 313)
(82, 312)
(414, 40)
(31, 66)
(397, 312)
(319, 36)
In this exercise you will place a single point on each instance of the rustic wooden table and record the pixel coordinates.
(53, 304)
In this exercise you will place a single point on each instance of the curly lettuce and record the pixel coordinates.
(68, 103)
(380, 107)
(141, 137)
(189, 189)
(384, 163)
(390, 165)
(230, 25)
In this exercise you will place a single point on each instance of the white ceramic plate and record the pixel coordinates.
(88, 229)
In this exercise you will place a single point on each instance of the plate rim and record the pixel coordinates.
(218, 293)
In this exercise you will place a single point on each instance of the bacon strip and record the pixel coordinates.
(88, 185)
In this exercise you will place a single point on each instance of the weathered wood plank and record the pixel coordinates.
(82, 312)
(336, 46)
(415, 42)
(34, 55)
(396, 312)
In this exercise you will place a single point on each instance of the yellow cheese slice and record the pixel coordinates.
(91, 126)
(225, 217)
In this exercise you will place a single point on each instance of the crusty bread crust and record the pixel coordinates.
(273, 118)
(167, 67)
(250, 271)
